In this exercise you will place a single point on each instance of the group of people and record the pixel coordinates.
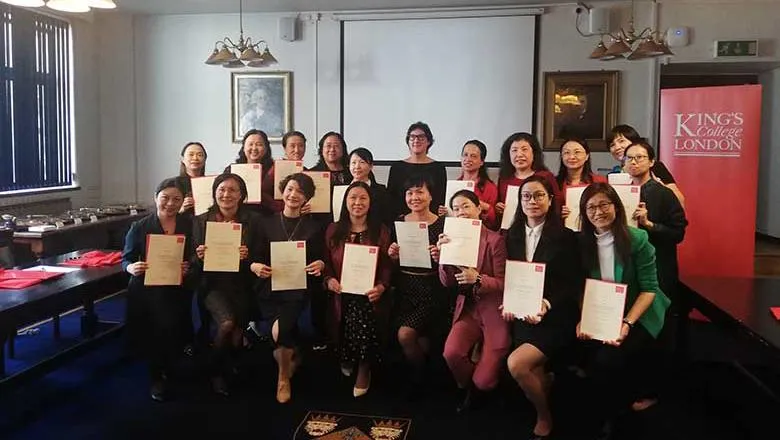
(460, 308)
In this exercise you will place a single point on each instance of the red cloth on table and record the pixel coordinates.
(19, 279)
(95, 259)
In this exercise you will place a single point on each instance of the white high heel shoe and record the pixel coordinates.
(359, 392)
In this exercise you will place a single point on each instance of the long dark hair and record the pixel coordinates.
(344, 225)
(506, 169)
(365, 155)
(563, 172)
(551, 218)
(183, 169)
(267, 161)
(321, 164)
(241, 186)
(482, 173)
(619, 227)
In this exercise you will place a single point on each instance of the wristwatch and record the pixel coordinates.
(629, 323)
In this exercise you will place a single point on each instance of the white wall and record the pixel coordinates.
(768, 214)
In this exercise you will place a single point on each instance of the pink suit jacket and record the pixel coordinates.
(491, 263)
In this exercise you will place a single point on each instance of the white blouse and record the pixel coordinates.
(532, 236)
(606, 247)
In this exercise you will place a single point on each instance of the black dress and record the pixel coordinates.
(286, 306)
(563, 283)
(159, 319)
(422, 301)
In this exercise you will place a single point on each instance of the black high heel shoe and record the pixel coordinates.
(464, 398)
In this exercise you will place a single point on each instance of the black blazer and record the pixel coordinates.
(668, 217)
(564, 278)
(135, 242)
(251, 236)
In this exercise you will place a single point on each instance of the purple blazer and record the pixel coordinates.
(491, 263)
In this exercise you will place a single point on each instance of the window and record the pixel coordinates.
(35, 101)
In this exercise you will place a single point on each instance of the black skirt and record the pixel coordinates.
(556, 331)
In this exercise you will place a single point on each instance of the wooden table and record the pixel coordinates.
(106, 233)
(22, 307)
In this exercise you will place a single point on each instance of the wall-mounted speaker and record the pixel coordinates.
(288, 28)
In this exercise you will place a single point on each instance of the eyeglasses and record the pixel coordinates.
(573, 154)
(601, 207)
(538, 196)
(637, 159)
(417, 137)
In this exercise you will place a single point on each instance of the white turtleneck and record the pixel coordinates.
(606, 246)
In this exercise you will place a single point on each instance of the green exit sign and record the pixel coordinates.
(736, 48)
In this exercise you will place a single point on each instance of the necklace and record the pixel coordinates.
(284, 228)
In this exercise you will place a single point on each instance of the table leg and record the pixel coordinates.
(89, 319)
(11, 347)
(55, 320)
(3, 337)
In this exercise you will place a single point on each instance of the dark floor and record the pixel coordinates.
(104, 395)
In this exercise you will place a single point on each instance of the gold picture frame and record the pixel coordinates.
(583, 104)
(261, 100)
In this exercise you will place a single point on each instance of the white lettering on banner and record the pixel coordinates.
(708, 134)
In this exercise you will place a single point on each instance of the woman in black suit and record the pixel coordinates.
(159, 320)
(226, 295)
(537, 235)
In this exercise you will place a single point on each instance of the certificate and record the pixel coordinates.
(222, 243)
(629, 195)
(602, 309)
(358, 270)
(510, 206)
(454, 186)
(523, 288)
(201, 193)
(282, 169)
(252, 173)
(413, 244)
(573, 196)
(619, 178)
(321, 200)
(164, 254)
(463, 248)
(288, 265)
(338, 200)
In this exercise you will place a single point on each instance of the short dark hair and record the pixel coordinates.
(290, 134)
(267, 161)
(624, 130)
(506, 169)
(464, 193)
(171, 182)
(418, 180)
(642, 143)
(419, 125)
(304, 182)
(183, 169)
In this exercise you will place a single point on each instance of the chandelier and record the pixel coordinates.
(628, 44)
(232, 55)
(64, 5)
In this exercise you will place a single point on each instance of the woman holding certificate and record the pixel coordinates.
(477, 316)
(191, 164)
(623, 366)
(358, 270)
(332, 153)
(521, 158)
(295, 243)
(361, 165)
(421, 301)
(473, 168)
(228, 242)
(255, 149)
(158, 306)
(538, 237)
(294, 145)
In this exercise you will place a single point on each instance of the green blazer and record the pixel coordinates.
(640, 276)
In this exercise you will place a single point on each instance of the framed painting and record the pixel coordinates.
(581, 104)
(261, 100)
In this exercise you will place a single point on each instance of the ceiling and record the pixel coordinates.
(223, 6)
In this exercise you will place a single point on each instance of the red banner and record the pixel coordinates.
(709, 141)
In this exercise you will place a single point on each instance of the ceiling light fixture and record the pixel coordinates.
(626, 43)
(245, 52)
(64, 5)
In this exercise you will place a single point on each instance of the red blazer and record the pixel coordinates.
(334, 260)
(491, 263)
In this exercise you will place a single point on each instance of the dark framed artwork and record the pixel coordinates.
(261, 100)
(582, 104)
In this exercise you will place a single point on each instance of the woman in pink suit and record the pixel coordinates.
(477, 316)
